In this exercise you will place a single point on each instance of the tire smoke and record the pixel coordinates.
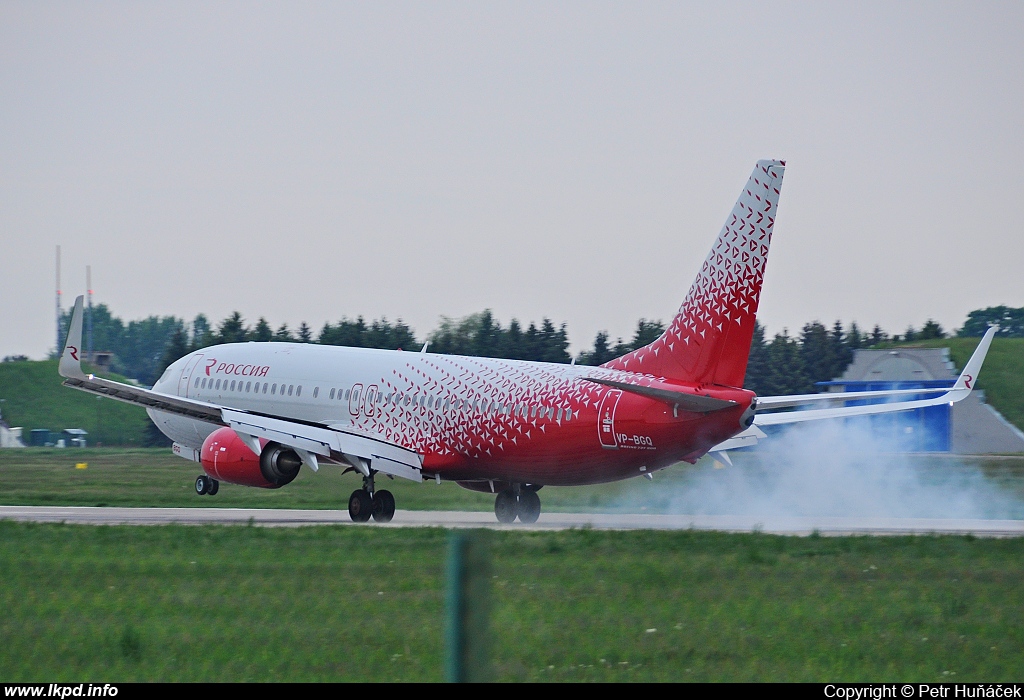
(829, 468)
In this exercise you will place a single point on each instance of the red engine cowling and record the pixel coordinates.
(226, 458)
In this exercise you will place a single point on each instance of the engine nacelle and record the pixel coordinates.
(226, 458)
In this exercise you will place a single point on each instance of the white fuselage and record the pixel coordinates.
(431, 403)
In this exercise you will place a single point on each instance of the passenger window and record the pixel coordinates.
(568, 415)
(332, 394)
(218, 385)
(248, 386)
(264, 387)
(316, 390)
(298, 390)
(355, 395)
(196, 385)
(290, 387)
(347, 392)
(273, 388)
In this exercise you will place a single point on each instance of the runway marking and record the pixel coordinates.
(269, 517)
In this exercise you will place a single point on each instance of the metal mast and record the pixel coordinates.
(60, 343)
(88, 318)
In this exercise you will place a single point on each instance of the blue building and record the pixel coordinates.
(968, 427)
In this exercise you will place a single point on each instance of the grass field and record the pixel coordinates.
(183, 603)
(153, 477)
(156, 478)
(360, 603)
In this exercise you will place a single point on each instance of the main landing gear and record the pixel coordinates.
(207, 486)
(521, 501)
(367, 502)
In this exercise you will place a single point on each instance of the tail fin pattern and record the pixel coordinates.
(708, 341)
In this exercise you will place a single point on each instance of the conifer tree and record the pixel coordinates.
(262, 333)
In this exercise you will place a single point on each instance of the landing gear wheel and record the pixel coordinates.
(505, 507)
(203, 484)
(383, 506)
(360, 506)
(214, 487)
(529, 507)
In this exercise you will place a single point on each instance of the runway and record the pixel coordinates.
(787, 525)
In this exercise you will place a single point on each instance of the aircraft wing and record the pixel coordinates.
(766, 404)
(307, 438)
(959, 391)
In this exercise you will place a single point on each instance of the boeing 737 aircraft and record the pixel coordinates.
(255, 413)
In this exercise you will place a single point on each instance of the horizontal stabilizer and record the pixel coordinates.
(694, 403)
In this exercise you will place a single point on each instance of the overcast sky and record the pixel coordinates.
(307, 161)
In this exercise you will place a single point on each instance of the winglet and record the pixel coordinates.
(70, 365)
(970, 374)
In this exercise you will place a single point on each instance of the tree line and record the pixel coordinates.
(783, 364)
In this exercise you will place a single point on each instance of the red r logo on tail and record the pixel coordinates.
(73, 351)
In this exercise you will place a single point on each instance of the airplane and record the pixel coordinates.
(255, 413)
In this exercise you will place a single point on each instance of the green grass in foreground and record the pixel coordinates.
(356, 603)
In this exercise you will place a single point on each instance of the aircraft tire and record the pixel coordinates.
(360, 506)
(529, 507)
(214, 487)
(383, 506)
(505, 506)
(202, 485)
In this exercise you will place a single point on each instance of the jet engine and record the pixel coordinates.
(226, 458)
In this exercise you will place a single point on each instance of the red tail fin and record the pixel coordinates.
(708, 341)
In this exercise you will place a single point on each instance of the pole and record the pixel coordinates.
(60, 342)
(88, 318)
(468, 608)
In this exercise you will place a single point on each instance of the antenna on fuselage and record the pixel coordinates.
(424, 348)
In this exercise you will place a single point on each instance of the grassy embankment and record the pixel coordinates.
(263, 604)
(34, 398)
